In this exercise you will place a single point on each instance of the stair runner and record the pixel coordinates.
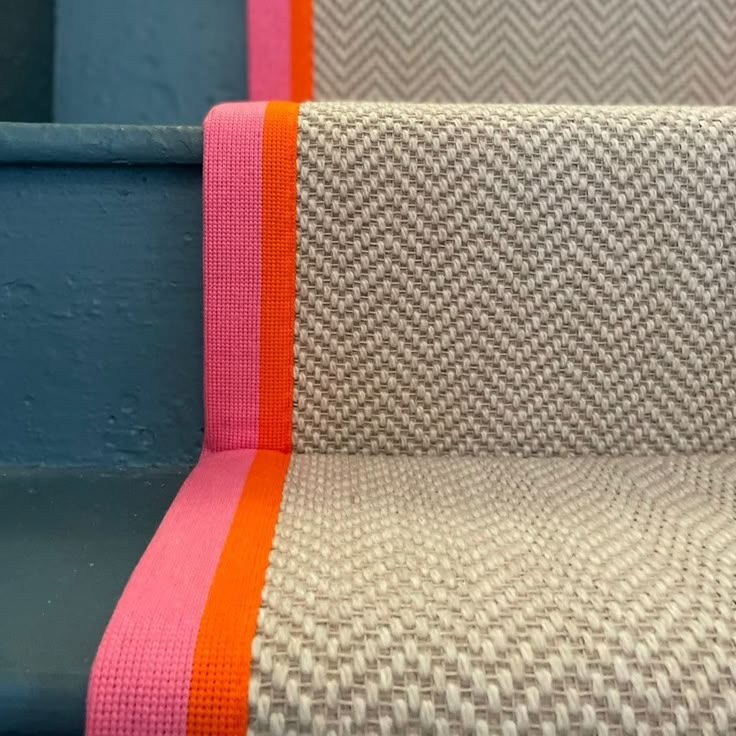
(470, 456)
(676, 52)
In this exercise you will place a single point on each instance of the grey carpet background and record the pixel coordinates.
(539, 51)
(517, 279)
(484, 595)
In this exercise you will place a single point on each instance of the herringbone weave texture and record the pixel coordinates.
(573, 51)
(533, 280)
(500, 595)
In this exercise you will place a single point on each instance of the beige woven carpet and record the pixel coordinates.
(575, 51)
(535, 280)
(500, 595)
(472, 371)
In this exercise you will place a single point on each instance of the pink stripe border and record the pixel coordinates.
(139, 685)
(233, 150)
(269, 49)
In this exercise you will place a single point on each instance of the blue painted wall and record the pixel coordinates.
(100, 285)
(100, 314)
(147, 61)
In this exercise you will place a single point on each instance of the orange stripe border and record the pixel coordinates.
(278, 275)
(218, 693)
(302, 56)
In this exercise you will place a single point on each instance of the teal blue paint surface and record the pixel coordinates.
(100, 314)
(26, 59)
(119, 145)
(148, 62)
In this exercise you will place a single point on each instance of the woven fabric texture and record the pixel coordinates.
(454, 285)
(248, 265)
(559, 51)
(534, 280)
(496, 595)
(231, 260)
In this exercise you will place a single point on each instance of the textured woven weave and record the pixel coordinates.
(249, 262)
(269, 49)
(424, 280)
(233, 225)
(500, 595)
(516, 279)
(561, 51)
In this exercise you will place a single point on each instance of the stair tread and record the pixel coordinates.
(69, 539)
